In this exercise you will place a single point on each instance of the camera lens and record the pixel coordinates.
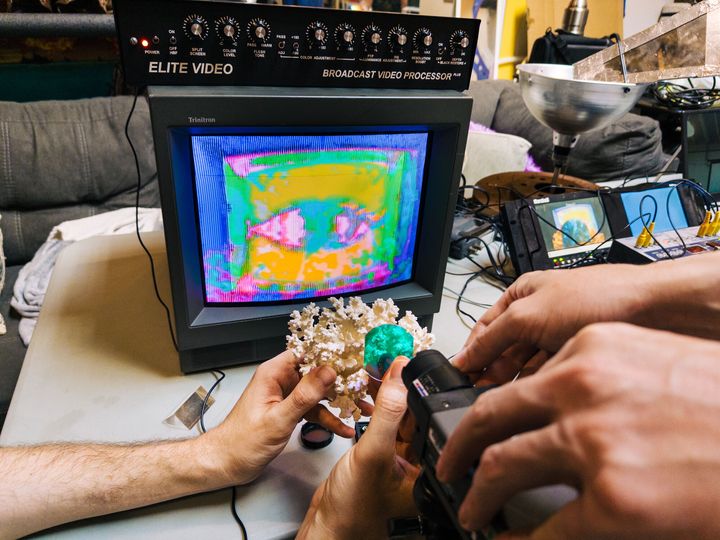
(314, 436)
(435, 372)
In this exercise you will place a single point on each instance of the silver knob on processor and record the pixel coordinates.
(258, 30)
(423, 38)
(344, 36)
(372, 38)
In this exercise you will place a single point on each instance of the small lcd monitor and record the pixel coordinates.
(563, 230)
(661, 205)
(572, 227)
(274, 198)
(668, 205)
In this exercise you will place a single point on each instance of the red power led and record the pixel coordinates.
(145, 43)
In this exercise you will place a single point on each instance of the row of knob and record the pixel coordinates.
(316, 34)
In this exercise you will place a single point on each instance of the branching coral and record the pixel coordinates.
(335, 337)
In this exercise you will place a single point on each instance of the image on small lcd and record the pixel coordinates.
(574, 226)
(285, 217)
(655, 205)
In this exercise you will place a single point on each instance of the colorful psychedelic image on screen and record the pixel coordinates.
(286, 217)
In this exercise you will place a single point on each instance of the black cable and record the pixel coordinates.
(708, 200)
(646, 224)
(667, 209)
(220, 376)
(235, 515)
(591, 253)
(672, 224)
(640, 210)
(707, 197)
(462, 274)
(482, 270)
(165, 306)
(233, 510)
(137, 221)
(498, 272)
(678, 96)
(458, 309)
(494, 272)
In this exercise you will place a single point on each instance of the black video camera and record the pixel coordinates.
(438, 396)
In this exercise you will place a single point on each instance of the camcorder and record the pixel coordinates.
(439, 395)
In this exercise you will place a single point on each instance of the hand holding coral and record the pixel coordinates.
(260, 424)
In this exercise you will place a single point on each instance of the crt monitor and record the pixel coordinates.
(273, 198)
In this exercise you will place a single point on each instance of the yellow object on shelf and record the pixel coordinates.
(642, 238)
(703, 229)
(714, 225)
(514, 45)
(649, 240)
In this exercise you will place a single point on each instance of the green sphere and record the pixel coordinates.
(383, 344)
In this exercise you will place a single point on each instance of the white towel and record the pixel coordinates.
(31, 284)
(116, 222)
(34, 277)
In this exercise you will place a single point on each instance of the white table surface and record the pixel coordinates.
(101, 367)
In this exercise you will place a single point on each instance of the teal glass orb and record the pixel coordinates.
(383, 344)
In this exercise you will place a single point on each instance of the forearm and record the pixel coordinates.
(682, 296)
(44, 486)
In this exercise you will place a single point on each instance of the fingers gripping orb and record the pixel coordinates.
(336, 337)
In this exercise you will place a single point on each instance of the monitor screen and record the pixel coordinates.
(298, 216)
(656, 204)
(572, 226)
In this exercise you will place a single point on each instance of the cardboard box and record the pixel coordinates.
(606, 17)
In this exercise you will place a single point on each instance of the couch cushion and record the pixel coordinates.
(631, 147)
(486, 95)
(12, 350)
(62, 160)
(3, 328)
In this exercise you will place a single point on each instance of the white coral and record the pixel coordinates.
(335, 337)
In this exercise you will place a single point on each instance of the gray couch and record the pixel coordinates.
(62, 160)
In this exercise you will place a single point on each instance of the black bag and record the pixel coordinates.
(561, 47)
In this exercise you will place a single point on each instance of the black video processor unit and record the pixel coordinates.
(170, 42)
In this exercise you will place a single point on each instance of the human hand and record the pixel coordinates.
(259, 426)
(542, 310)
(371, 482)
(629, 416)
